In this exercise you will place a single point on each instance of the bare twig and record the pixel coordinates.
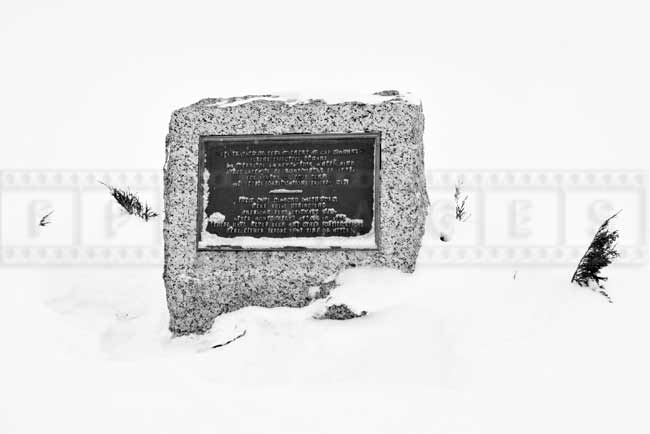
(230, 341)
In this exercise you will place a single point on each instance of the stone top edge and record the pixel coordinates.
(299, 99)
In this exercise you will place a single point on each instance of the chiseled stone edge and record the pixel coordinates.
(202, 285)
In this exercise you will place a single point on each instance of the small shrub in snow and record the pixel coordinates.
(46, 219)
(340, 312)
(461, 212)
(131, 203)
(601, 252)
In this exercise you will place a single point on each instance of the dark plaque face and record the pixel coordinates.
(301, 191)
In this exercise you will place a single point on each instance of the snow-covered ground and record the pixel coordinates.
(450, 350)
(465, 349)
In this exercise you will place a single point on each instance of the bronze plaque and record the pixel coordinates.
(298, 191)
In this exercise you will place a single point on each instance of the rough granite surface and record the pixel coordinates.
(202, 285)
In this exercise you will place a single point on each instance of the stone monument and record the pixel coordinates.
(268, 198)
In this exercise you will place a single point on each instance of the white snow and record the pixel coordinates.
(292, 98)
(449, 350)
(284, 191)
(365, 241)
(216, 217)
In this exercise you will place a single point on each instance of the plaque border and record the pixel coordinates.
(376, 135)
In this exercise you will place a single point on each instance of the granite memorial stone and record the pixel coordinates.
(267, 198)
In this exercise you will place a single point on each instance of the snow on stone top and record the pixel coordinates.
(298, 98)
(284, 191)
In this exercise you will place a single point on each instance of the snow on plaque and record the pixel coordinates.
(297, 191)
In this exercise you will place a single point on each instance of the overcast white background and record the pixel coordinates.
(504, 84)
